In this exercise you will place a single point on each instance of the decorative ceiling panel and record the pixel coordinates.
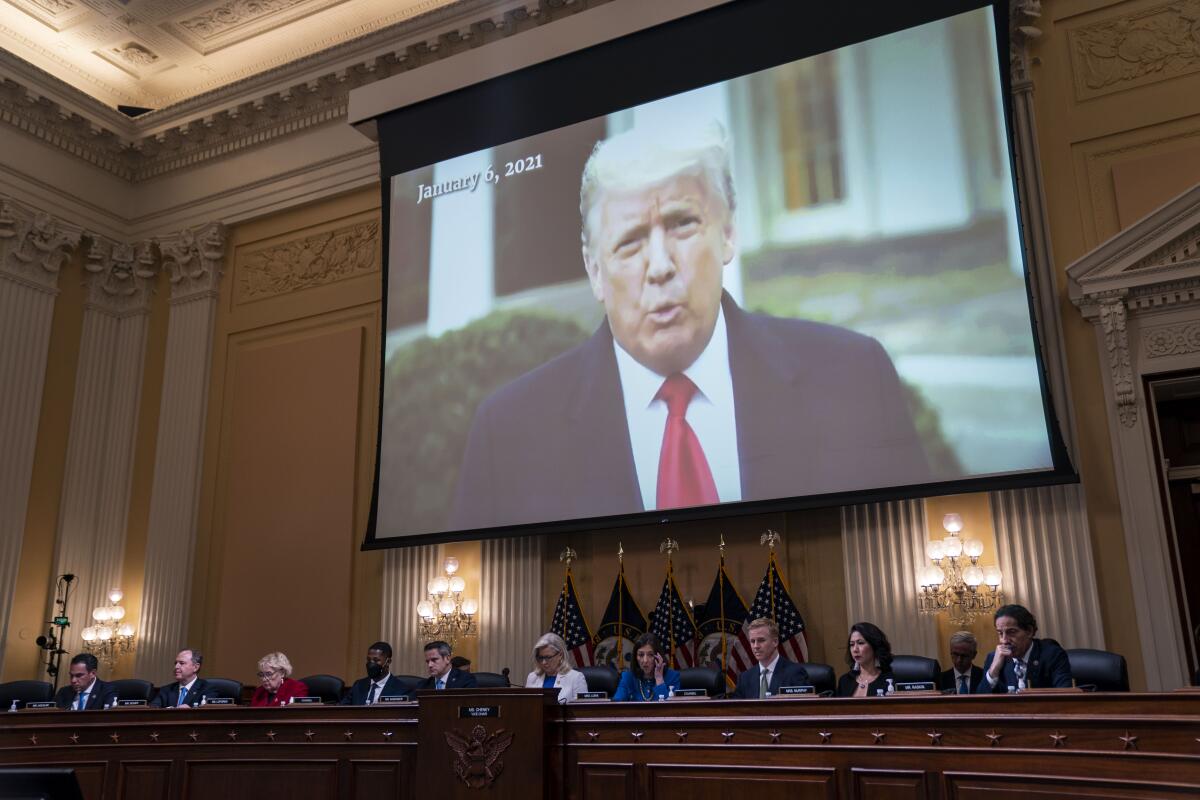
(157, 53)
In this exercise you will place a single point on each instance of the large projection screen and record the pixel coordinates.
(799, 284)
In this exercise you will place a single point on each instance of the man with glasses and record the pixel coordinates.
(380, 682)
(189, 689)
(441, 674)
(85, 692)
(964, 677)
(1022, 661)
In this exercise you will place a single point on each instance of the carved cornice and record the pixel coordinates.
(194, 260)
(33, 245)
(1146, 46)
(1023, 19)
(303, 263)
(1116, 342)
(255, 111)
(119, 277)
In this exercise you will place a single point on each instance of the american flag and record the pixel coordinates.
(721, 619)
(773, 602)
(569, 623)
(671, 622)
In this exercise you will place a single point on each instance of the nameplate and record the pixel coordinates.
(471, 712)
(37, 705)
(792, 691)
(130, 703)
(394, 698)
(218, 701)
(305, 701)
(689, 694)
(916, 686)
(590, 697)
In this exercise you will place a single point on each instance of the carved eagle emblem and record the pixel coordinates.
(478, 762)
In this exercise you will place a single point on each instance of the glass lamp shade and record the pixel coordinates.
(100, 614)
(934, 550)
(116, 612)
(991, 576)
(457, 584)
(952, 546)
(425, 609)
(104, 634)
(431, 587)
(450, 565)
(936, 576)
(446, 606)
(972, 576)
(952, 523)
(470, 607)
(125, 630)
(89, 634)
(440, 585)
(973, 548)
(115, 596)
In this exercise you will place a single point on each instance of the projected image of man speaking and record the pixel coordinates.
(680, 398)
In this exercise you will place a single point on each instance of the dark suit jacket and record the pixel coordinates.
(101, 696)
(787, 673)
(818, 409)
(168, 696)
(848, 683)
(1048, 668)
(457, 679)
(358, 692)
(946, 680)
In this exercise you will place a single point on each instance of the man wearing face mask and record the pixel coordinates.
(380, 682)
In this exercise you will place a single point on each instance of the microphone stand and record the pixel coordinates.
(52, 642)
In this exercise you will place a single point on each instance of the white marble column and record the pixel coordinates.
(883, 544)
(406, 572)
(99, 466)
(1045, 553)
(193, 260)
(33, 247)
(511, 607)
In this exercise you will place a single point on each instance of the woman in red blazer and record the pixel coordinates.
(275, 687)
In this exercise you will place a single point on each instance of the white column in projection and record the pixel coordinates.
(461, 281)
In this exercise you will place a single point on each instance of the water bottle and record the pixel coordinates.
(879, 692)
(203, 699)
(1012, 689)
(13, 708)
(670, 692)
(891, 687)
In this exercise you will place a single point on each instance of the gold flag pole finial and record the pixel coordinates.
(620, 553)
(668, 546)
(770, 539)
(568, 556)
(721, 546)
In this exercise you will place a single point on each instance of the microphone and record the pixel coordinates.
(68, 577)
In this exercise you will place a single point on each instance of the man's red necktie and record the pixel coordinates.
(684, 478)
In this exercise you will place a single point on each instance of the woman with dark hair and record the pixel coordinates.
(648, 676)
(869, 654)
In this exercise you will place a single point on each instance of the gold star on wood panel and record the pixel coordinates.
(232, 736)
(775, 737)
(387, 735)
(194, 736)
(33, 739)
(154, 736)
(826, 736)
(74, 737)
(349, 735)
(593, 735)
(994, 738)
(935, 738)
(682, 736)
(728, 735)
(1130, 741)
(271, 735)
(116, 737)
(1059, 739)
(308, 735)
(879, 736)
(637, 735)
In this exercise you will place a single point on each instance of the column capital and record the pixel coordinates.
(194, 259)
(119, 277)
(1023, 19)
(34, 244)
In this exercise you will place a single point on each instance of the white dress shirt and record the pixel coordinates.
(375, 690)
(187, 699)
(768, 669)
(710, 414)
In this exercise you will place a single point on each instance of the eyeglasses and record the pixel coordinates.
(551, 657)
(265, 675)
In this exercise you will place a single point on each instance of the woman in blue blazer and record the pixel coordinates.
(648, 677)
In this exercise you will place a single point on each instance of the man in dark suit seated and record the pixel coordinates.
(1021, 660)
(189, 689)
(441, 674)
(964, 676)
(85, 692)
(380, 682)
(772, 669)
(681, 397)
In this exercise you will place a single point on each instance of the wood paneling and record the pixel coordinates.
(371, 780)
(967, 786)
(295, 780)
(599, 781)
(144, 780)
(888, 784)
(732, 781)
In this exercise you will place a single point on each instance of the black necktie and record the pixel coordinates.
(963, 687)
(374, 694)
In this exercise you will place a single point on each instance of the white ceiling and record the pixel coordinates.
(157, 53)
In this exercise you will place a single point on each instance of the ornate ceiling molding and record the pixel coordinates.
(33, 245)
(305, 93)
